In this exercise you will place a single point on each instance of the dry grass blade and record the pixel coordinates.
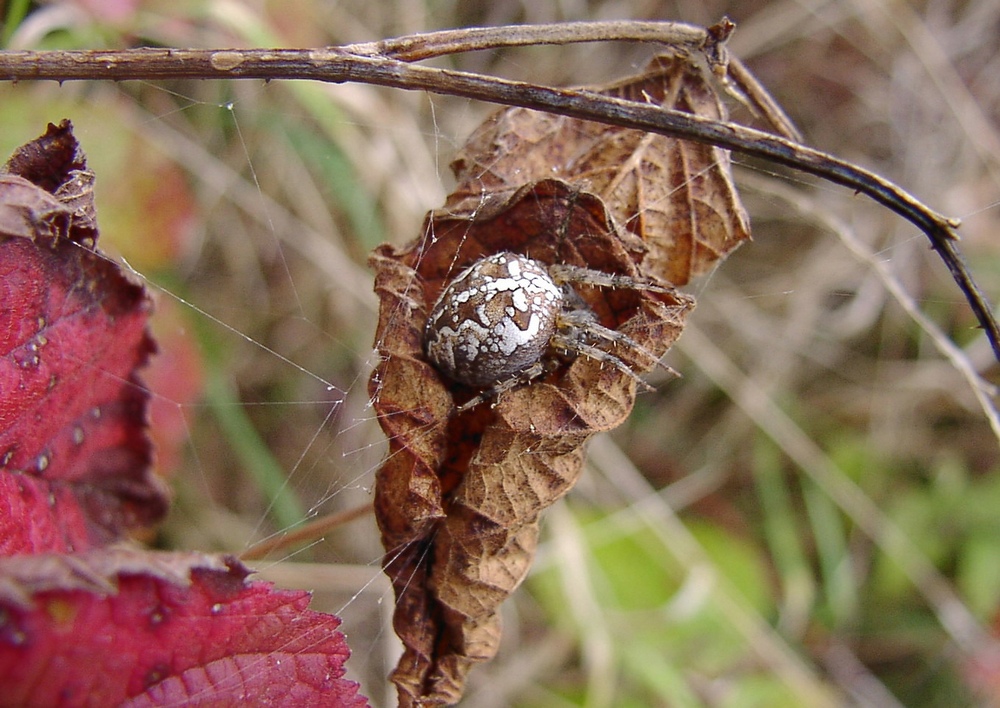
(984, 392)
(953, 614)
(308, 532)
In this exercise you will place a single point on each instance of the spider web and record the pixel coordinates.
(273, 285)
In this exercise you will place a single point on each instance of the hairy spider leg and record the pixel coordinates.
(566, 345)
(570, 274)
(526, 376)
(576, 326)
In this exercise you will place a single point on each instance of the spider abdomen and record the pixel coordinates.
(494, 320)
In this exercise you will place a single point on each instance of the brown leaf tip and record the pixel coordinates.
(49, 160)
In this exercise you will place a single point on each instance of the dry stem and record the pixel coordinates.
(384, 63)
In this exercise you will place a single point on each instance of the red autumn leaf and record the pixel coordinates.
(74, 453)
(112, 626)
(131, 628)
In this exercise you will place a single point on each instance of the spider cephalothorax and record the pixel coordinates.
(508, 319)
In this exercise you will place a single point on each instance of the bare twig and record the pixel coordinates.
(761, 102)
(416, 47)
(382, 63)
(984, 392)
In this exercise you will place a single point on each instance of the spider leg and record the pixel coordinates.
(519, 379)
(589, 350)
(583, 321)
(564, 274)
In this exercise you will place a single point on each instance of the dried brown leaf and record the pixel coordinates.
(458, 498)
(677, 197)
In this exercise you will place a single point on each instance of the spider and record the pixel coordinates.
(508, 319)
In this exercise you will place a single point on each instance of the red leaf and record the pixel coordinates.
(119, 627)
(74, 454)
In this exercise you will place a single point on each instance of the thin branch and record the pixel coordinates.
(984, 391)
(416, 47)
(364, 63)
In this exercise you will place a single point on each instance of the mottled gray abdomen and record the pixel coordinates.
(494, 320)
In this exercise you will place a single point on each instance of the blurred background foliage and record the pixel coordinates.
(808, 517)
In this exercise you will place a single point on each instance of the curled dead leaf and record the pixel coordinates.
(458, 497)
(675, 197)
